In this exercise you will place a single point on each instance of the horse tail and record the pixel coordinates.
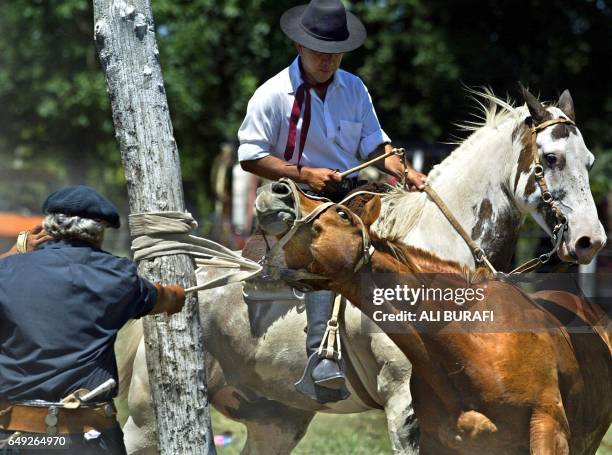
(126, 346)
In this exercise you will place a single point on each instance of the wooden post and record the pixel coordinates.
(125, 38)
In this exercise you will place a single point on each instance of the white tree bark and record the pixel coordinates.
(125, 38)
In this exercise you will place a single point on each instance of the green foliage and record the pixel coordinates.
(56, 114)
(55, 117)
(213, 57)
(601, 175)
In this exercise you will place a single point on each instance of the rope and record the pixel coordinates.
(158, 234)
(395, 151)
(331, 337)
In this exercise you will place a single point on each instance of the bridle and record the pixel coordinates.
(558, 231)
(301, 220)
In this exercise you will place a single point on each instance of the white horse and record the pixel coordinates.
(256, 350)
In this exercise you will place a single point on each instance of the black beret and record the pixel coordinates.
(82, 201)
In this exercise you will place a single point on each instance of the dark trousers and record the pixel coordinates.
(109, 442)
(319, 305)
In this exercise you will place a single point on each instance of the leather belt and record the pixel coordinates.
(55, 419)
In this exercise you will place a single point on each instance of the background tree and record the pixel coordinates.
(55, 122)
(55, 125)
(127, 50)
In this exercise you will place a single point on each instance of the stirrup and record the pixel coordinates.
(327, 373)
(307, 386)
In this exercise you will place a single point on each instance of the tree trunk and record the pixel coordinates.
(125, 38)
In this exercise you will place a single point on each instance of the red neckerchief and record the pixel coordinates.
(302, 94)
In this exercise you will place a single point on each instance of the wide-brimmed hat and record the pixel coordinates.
(324, 26)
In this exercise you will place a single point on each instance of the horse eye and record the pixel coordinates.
(551, 159)
(342, 214)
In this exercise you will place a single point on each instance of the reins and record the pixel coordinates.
(479, 256)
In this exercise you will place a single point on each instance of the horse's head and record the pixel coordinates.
(340, 239)
(566, 162)
(329, 243)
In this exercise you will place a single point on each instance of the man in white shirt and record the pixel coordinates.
(309, 123)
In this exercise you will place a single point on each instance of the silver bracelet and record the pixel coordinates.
(22, 242)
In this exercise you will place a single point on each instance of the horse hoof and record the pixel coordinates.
(474, 424)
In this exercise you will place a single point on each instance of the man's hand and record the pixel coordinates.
(415, 179)
(170, 299)
(273, 168)
(393, 165)
(321, 179)
(37, 236)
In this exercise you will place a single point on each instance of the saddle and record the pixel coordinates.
(357, 204)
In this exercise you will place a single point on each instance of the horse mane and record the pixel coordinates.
(357, 203)
(421, 261)
(491, 111)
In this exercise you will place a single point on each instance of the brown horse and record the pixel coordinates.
(522, 384)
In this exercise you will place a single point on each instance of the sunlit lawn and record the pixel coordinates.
(335, 434)
(606, 445)
(363, 433)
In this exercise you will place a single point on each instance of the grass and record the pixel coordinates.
(606, 445)
(333, 434)
(353, 434)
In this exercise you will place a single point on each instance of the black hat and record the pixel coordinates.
(324, 26)
(82, 201)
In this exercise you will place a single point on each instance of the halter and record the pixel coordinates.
(557, 232)
(300, 221)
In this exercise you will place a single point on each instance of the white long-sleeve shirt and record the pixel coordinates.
(343, 129)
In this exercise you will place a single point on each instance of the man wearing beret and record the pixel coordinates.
(61, 306)
(307, 123)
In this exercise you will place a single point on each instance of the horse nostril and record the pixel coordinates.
(280, 188)
(583, 243)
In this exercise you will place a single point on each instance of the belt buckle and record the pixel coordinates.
(51, 420)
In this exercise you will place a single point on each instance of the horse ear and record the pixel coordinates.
(371, 211)
(536, 109)
(566, 104)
